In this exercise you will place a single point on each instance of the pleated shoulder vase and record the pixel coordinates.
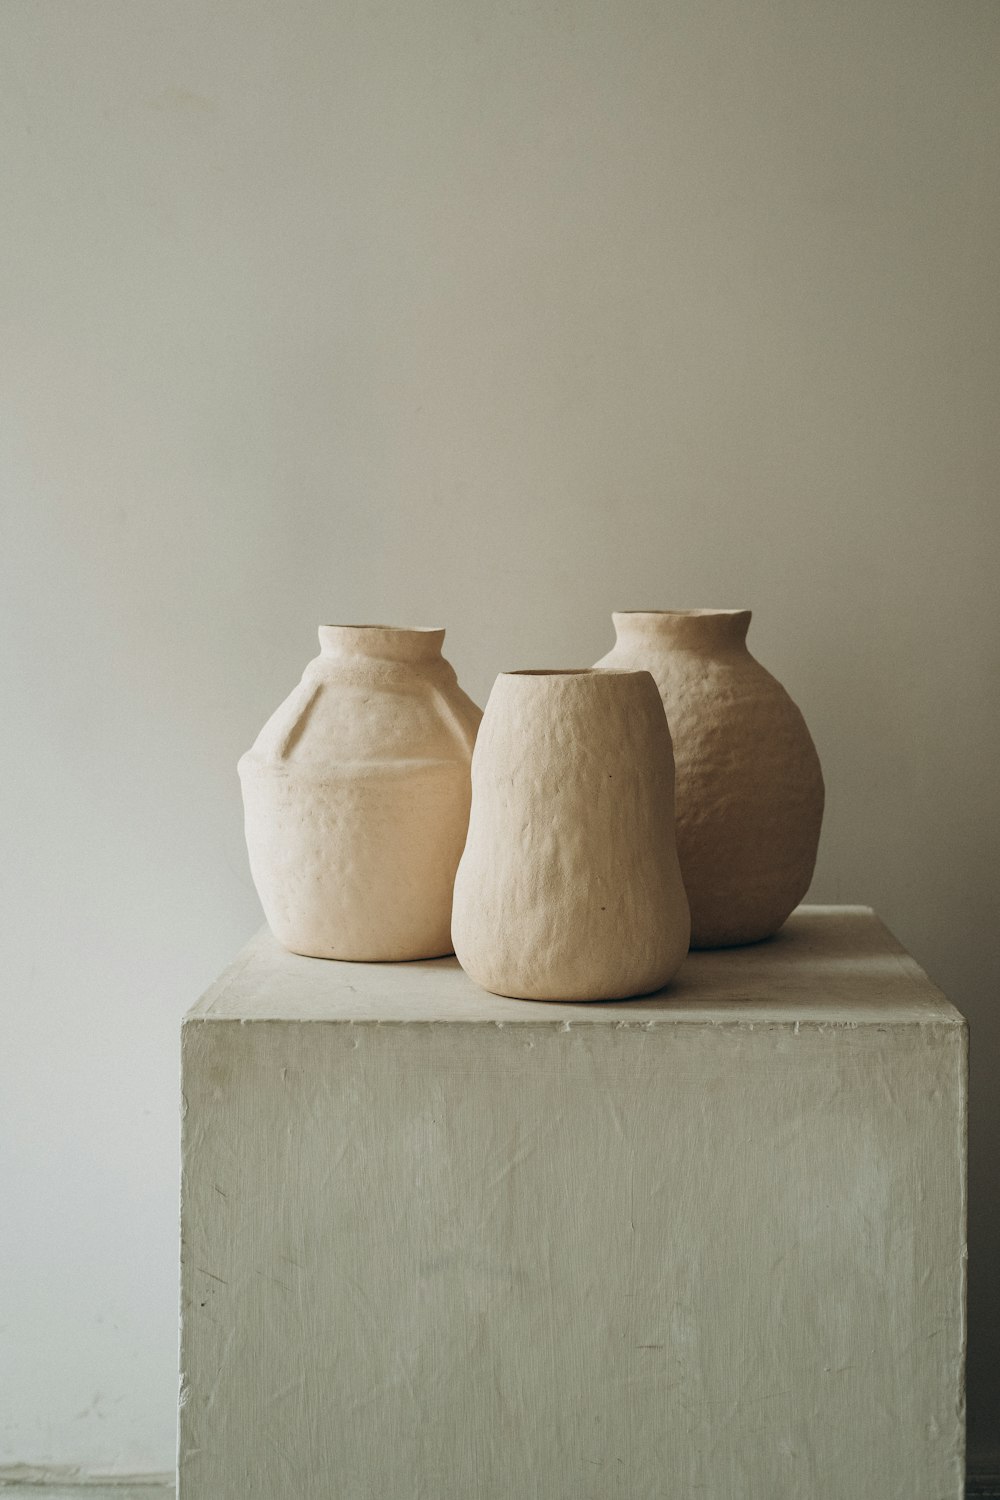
(356, 795)
(749, 784)
(569, 886)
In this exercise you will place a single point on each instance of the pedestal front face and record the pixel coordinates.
(446, 1246)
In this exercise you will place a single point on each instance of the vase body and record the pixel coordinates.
(569, 886)
(749, 785)
(356, 796)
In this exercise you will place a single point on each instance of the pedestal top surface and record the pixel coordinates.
(829, 965)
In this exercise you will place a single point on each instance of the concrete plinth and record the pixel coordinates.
(444, 1246)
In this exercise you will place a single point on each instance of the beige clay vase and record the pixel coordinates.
(569, 886)
(749, 784)
(356, 794)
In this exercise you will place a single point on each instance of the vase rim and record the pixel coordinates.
(679, 614)
(576, 672)
(394, 629)
(387, 642)
(685, 629)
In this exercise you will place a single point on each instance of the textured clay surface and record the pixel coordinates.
(569, 887)
(356, 795)
(749, 785)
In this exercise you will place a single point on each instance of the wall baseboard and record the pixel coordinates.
(42, 1480)
(48, 1483)
(15, 1490)
(86, 1490)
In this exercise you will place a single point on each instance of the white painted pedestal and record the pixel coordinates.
(442, 1246)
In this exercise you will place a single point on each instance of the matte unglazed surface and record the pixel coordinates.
(749, 785)
(569, 887)
(708, 1245)
(356, 794)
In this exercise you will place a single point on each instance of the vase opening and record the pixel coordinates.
(570, 672)
(655, 614)
(384, 642)
(694, 627)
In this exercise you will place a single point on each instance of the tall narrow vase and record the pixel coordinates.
(569, 886)
(749, 784)
(356, 794)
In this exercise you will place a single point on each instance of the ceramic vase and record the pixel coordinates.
(749, 784)
(356, 794)
(569, 887)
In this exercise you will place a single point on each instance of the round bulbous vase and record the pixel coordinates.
(569, 886)
(749, 784)
(356, 795)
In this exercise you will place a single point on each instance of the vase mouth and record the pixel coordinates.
(695, 627)
(575, 672)
(679, 614)
(383, 642)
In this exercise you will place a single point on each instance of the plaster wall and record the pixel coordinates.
(494, 316)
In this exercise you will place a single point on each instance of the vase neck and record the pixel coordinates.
(381, 643)
(707, 631)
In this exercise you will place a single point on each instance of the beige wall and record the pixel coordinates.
(498, 316)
